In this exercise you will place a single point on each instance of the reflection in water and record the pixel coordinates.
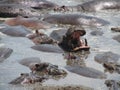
(76, 58)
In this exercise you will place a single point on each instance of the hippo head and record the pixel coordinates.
(72, 39)
(38, 66)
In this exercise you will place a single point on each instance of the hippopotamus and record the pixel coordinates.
(116, 29)
(58, 34)
(71, 42)
(107, 57)
(5, 53)
(92, 6)
(48, 48)
(75, 19)
(96, 33)
(27, 78)
(13, 10)
(117, 38)
(29, 60)
(112, 84)
(40, 38)
(97, 5)
(31, 23)
(36, 4)
(112, 67)
(40, 71)
(86, 71)
(15, 31)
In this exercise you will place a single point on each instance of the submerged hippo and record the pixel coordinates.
(27, 78)
(29, 60)
(48, 48)
(36, 4)
(75, 19)
(32, 23)
(13, 10)
(58, 34)
(117, 38)
(86, 71)
(116, 29)
(40, 38)
(40, 71)
(5, 53)
(112, 84)
(16, 31)
(91, 6)
(107, 57)
(97, 5)
(109, 61)
(112, 67)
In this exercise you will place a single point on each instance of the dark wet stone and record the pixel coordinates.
(86, 71)
(116, 29)
(29, 60)
(5, 53)
(112, 84)
(97, 33)
(117, 38)
(13, 10)
(16, 31)
(48, 48)
(107, 57)
(58, 34)
(75, 19)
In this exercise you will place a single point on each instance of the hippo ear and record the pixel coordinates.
(36, 31)
(37, 65)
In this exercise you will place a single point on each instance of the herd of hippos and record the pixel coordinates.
(26, 18)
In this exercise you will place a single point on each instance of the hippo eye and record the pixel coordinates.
(21, 9)
(21, 74)
(37, 65)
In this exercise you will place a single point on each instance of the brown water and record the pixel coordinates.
(10, 68)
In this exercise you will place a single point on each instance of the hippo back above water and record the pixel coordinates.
(97, 5)
(75, 19)
(13, 10)
(37, 4)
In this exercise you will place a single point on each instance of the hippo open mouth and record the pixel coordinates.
(73, 42)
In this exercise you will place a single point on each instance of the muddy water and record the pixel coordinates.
(10, 69)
